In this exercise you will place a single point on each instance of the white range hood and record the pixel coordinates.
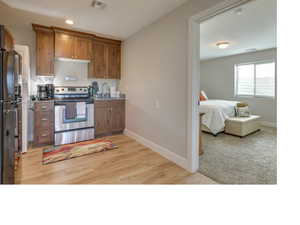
(72, 60)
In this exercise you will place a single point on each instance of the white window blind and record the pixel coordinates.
(255, 79)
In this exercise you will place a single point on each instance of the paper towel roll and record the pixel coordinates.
(112, 89)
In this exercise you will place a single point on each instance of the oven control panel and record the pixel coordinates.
(71, 90)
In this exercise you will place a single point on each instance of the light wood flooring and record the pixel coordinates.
(131, 163)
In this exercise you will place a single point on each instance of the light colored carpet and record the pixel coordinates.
(233, 160)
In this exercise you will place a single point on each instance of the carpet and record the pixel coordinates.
(232, 160)
(69, 151)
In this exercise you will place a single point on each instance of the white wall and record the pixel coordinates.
(217, 80)
(155, 70)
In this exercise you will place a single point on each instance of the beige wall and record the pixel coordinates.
(217, 80)
(155, 74)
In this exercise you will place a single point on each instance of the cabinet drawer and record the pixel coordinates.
(44, 136)
(44, 117)
(44, 106)
(117, 103)
(101, 103)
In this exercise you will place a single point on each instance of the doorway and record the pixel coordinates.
(234, 8)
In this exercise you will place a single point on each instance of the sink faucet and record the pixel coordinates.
(102, 89)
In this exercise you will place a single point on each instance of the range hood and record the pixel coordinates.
(72, 60)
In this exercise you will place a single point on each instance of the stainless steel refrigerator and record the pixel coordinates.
(9, 63)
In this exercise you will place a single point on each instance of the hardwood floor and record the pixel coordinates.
(131, 163)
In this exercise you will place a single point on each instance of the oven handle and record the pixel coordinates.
(64, 103)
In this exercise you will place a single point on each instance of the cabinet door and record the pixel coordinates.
(45, 52)
(102, 120)
(100, 60)
(82, 48)
(114, 61)
(8, 41)
(64, 45)
(117, 116)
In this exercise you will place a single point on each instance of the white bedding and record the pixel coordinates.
(216, 113)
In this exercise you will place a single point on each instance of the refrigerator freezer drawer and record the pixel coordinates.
(69, 137)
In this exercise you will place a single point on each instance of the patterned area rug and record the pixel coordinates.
(64, 152)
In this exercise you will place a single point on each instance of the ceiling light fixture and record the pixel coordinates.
(239, 11)
(223, 44)
(98, 4)
(70, 22)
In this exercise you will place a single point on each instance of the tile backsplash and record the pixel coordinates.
(70, 74)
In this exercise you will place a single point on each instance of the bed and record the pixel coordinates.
(216, 113)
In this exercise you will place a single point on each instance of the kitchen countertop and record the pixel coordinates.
(38, 100)
(108, 99)
(95, 99)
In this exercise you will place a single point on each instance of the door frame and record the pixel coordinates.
(194, 76)
(23, 50)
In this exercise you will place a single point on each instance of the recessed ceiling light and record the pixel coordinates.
(222, 44)
(70, 22)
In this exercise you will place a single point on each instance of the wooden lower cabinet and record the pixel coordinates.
(117, 114)
(102, 118)
(43, 123)
(109, 117)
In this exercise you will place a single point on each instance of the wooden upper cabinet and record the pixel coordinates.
(99, 60)
(71, 46)
(106, 61)
(103, 54)
(82, 48)
(8, 40)
(114, 62)
(44, 51)
(64, 45)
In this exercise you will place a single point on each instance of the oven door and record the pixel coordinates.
(61, 124)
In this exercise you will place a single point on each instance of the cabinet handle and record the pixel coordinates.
(44, 119)
(44, 107)
(44, 135)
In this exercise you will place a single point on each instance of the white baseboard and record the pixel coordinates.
(179, 160)
(269, 124)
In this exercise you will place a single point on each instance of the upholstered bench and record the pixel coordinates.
(242, 126)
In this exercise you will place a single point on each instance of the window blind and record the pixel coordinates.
(255, 79)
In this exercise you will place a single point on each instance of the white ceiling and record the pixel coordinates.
(120, 18)
(255, 27)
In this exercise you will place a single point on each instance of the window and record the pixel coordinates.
(255, 79)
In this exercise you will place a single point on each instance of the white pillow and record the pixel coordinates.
(204, 95)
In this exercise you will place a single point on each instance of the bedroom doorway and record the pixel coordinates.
(226, 47)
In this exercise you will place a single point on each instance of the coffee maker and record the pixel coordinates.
(50, 91)
(45, 92)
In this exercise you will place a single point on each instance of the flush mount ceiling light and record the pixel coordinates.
(70, 22)
(238, 11)
(222, 44)
(98, 4)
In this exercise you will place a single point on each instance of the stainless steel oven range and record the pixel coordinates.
(74, 115)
